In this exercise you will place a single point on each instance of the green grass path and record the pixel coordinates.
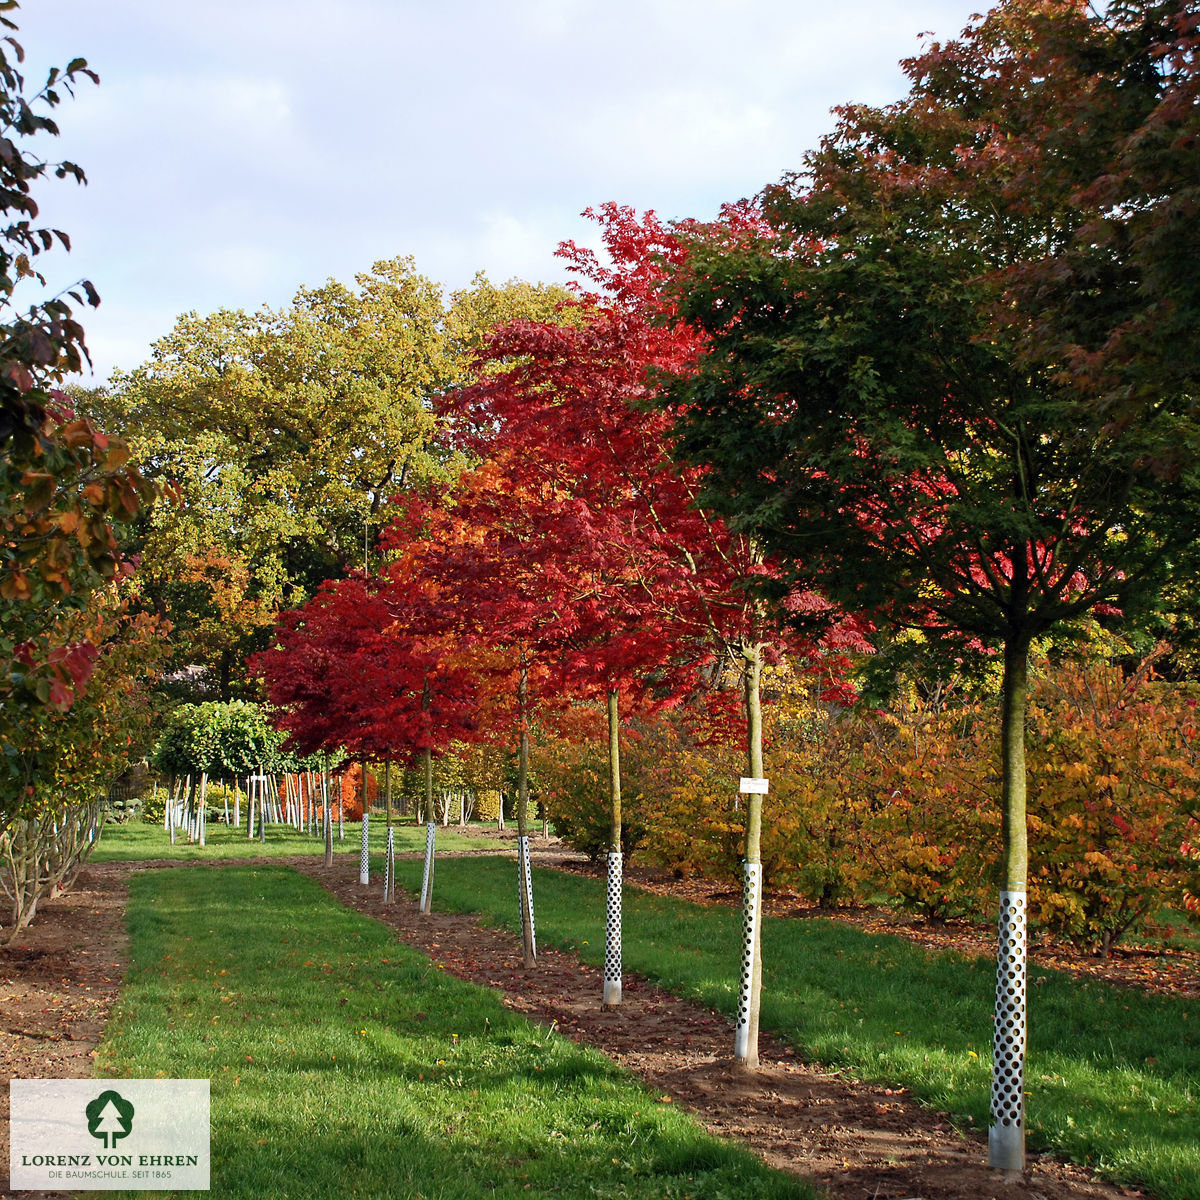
(138, 842)
(1114, 1074)
(344, 1064)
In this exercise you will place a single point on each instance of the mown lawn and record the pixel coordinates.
(137, 841)
(345, 1064)
(1114, 1074)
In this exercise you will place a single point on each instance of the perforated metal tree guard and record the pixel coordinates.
(751, 905)
(389, 866)
(612, 932)
(427, 875)
(1006, 1138)
(525, 885)
(364, 859)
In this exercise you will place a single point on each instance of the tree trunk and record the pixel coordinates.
(745, 1043)
(430, 836)
(1006, 1137)
(325, 802)
(612, 937)
(524, 872)
(202, 812)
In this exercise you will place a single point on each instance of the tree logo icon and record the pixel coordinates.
(109, 1117)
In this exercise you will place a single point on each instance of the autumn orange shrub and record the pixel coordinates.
(687, 793)
(1191, 854)
(682, 809)
(905, 803)
(1115, 781)
(352, 809)
(931, 772)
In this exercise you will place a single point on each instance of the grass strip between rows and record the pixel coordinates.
(1113, 1077)
(343, 1063)
(139, 842)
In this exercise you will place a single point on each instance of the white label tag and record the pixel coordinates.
(756, 787)
(83, 1135)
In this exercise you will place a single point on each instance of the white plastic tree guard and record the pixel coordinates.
(525, 886)
(1006, 1137)
(612, 932)
(389, 866)
(427, 875)
(364, 859)
(751, 913)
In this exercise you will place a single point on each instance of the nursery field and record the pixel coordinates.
(1114, 1073)
(344, 1062)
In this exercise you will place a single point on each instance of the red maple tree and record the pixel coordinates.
(631, 585)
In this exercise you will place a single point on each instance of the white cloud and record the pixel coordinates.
(244, 269)
(240, 148)
(684, 137)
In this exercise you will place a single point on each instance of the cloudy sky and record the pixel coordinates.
(237, 149)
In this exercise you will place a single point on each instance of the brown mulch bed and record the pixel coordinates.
(1174, 972)
(58, 982)
(857, 1141)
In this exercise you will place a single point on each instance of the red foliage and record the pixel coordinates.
(637, 588)
(359, 668)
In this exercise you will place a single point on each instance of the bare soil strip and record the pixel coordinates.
(57, 986)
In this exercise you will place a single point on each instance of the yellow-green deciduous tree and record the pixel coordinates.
(284, 434)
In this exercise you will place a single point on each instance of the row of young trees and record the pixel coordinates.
(74, 659)
(947, 382)
(568, 561)
(898, 801)
(940, 380)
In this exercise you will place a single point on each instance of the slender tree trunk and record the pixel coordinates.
(193, 785)
(1006, 1137)
(524, 872)
(612, 935)
(325, 801)
(745, 1045)
(430, 836)
(202, 812)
